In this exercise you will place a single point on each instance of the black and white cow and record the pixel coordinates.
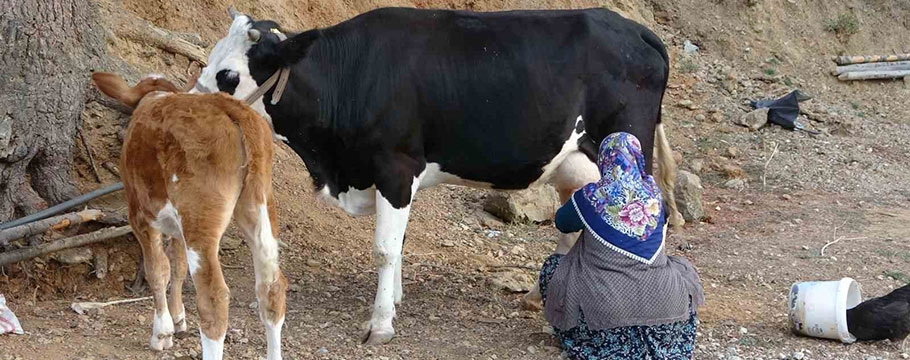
(396, 100)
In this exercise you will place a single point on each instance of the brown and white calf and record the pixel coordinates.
(188, 163)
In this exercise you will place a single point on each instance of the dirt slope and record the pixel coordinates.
(758, 239)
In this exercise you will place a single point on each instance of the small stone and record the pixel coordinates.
(312, 263)
(735, 184)
(254, 305)
(689, 48)
(488, 220)
(754, 120)
(514, 282)
(797, 355)
(748, 202)
(905, 355)
(688, 190)
(687, 104)
(535, 204)
(448, 244)
(73, 256)
(140, 319)
(743, 330)
(230, 243)
(786, 197)
(732, 152)
(700, 117)
(322, 350)
(697, 165)
(717, 117)
(532, 349)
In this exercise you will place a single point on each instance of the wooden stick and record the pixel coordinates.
(822, 253)
(81, 307)
(91, 158)
(141, 31)
(10, 257)
(861, 59)
(873, 75)
(55, 223)
(765, 168)
(99, 262)
(897, 65)
(111, 167)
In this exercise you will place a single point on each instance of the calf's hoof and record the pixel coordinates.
(161, 342)
(376, 336)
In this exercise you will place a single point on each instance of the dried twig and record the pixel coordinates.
(838, 240)
(81, 307)
(55, 223)
(91, 158)
(10, 257)
(143, 32)
(515, 267)
(111, 167)
(765, 168)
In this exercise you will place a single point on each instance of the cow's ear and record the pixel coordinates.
(296, 47)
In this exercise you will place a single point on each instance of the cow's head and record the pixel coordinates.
(229, 68)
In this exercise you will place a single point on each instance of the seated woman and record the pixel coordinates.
(616, 294)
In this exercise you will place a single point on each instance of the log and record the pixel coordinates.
(873, 75)
(862, 59)
(56, 223)
(141, 31)
(10, 257)
(897, 65)
(99, 262)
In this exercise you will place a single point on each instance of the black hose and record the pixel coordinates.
(66, 205)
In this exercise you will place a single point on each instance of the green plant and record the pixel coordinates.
(843, 25)
(687, 66)
(770, 71)
(897, 275)
(788, 82)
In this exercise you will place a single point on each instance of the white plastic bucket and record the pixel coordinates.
(819, 308)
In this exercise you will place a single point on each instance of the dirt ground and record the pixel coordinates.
(798, 193)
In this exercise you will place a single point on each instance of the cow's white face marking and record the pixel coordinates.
(192, 261)
(229, 53)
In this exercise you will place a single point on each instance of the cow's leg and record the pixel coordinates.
(202, 232)
(573, 173)
(398, 293)
(393, 207)
(177, 254)
(256, 217)
(157, 274)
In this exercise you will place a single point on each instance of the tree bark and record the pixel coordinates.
(47, 48)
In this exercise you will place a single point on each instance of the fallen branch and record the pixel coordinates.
(143, 32)
(897, 65)
(765, 168)
(99, 262)
(91, 158)
(111, 167)
(873, 75)
(61, 207)
(862, 59)
(10, 257)
(81, 307)
(56, 223)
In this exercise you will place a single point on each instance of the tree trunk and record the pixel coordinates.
(47, 48)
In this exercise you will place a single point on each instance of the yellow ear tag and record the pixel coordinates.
(274, 31)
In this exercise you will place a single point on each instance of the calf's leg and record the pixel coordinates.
(177, 254)
(255, 215)
(157, 274)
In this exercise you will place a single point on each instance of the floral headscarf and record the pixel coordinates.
(624, 208)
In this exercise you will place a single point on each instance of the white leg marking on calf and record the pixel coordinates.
(211, 349)
(174, 178)
(266, 252)
(192, 260)
(391, 224)
(162, 331)
(273, 337)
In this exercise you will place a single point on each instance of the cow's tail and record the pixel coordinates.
(667, 177)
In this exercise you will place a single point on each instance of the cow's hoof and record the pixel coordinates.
(532, 301)
(376, 336)
(161, 342)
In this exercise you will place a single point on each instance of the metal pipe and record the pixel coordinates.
(61, 207)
